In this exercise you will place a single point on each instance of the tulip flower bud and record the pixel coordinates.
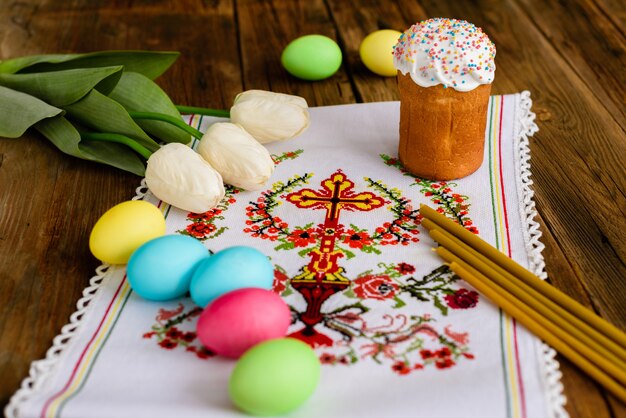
(269, 116)
(237, 156)
(178, 175)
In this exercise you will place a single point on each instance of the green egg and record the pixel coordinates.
(274, 377)
(312, 57)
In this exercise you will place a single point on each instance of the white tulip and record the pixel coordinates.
(178, 175)
(236, 155)
(269, 116)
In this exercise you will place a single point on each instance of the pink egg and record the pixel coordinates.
(238, 320)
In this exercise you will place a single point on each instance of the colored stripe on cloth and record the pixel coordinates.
(516, 401)
(53, 406)
(89, 354)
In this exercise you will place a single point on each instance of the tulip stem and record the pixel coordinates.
(203, 111)
(120, 139)
(168, 119)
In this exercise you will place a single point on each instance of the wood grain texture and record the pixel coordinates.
(614, 10)
(265, 29)
(570, 55)
(588, 41)
(355, 20)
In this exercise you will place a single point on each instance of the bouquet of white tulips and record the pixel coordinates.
(104, 107)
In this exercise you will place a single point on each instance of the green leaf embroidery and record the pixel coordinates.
(65, 137)
(60, 88)
(349, 254)
(20, 111)
(149, 63)
(138, 93)
(443, 308)
(349, 293)
(399, 302)
(287, 245)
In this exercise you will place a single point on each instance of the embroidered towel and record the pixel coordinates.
(396, 332)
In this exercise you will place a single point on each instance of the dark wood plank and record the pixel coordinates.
(585, 37)
(49, 201)
(355, 20)
(616, 11)
(265, 29)
(206, 74)
(578, 386)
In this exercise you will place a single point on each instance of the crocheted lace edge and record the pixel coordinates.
(525, 127)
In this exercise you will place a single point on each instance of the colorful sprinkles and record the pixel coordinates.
(451, 52)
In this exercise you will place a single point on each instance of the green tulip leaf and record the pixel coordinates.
(137, 93)
(103, 114)
(20, 111)
(149, 63)
(67, 138)
(60, 88)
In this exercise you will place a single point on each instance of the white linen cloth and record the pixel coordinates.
(397, 334)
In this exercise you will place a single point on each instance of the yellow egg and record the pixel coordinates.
(376, 51)
(124, 228)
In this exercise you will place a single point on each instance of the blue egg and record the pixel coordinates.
(161, 269)
(230, 269)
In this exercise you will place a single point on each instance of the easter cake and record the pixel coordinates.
(445, 70)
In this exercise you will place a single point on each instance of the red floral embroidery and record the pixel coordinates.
(375, 287)
(204, 226)
(444, 363)
(168, 344)
(204, 353)
(165, 314)
(173, 333)
(289, 155)
(427, 354)
(461, 338)
(200, 229)
(302, 237)
(401, 368)
(327, 358)
(404, 268)
(280, 281)
(210, 214)
(169, 336)
(462, 299)
(376, 349)
(357, 239)
(442, 357)
(453, 205)
(443, 352)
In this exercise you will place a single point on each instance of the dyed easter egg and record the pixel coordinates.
(274, 377)
(238, 320)
(376, 51)
(123, 228)
(161, 269)
(312, 57)
(230, 269)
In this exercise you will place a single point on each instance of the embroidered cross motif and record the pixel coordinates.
(323, 277)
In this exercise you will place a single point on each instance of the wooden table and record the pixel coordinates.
(570, 55)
